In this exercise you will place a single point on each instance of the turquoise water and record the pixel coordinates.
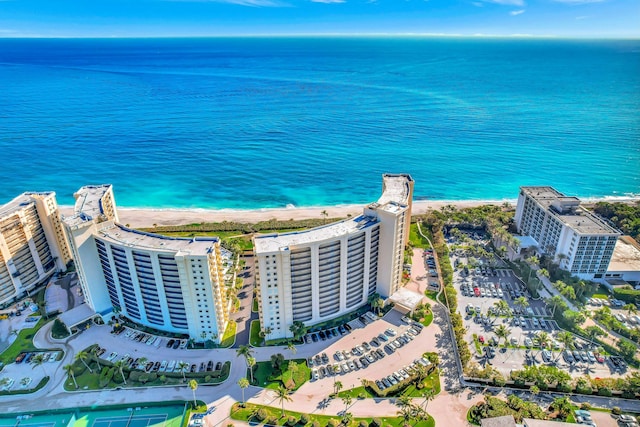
(258, 122)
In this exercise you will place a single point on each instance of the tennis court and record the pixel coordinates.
(134, 416)
(131, 421)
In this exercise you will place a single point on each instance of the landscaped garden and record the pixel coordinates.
(290, 374)
(560, 409)
(23, 343)
(274, 416)
(91, 373)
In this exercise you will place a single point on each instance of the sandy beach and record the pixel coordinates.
(141, 218)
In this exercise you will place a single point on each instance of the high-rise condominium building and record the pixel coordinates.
(32, 243)
(319, 274)
(170, 284)
(580, 241)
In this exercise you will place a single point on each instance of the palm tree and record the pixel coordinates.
(631, 308)
(69, 370)
(347, 400)
(521, 302)
(292, 347)
(337, 386)
(120, 364)
(429, 395)
(555, 301)
(142, 362)
(182, 367)
(566, 338)
(246, 352)
(502, 306)
(250, 364)
(38, 360)
(94, 352)
(503, 332)
(83, 356)
(544, 340)
(268, 331)
(193, 385)
(243, 383)
(282, 395)
(562, 405)
(324, 214)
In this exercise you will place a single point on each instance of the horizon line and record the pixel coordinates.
(349, 35)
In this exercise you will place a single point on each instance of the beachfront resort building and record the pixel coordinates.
(169, 284)
(578, 240)
(319, 274)
(32, 244)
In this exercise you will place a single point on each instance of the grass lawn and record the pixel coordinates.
(229, 335)
(274, 414)
(265, 376)
(417, 241)
(431, 295)
(432, 382)
(87, 380)
(254, 307)
(571, 419)
(426, 321)
(24, 342)
(254, 334)
(356, 392)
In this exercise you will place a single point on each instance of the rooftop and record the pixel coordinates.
(568, 211)
(504, 421)
(124, 236)
(88, 206)
(396, 188)
(276, 242)
(530, 422)
(19, 202)
(626, 255)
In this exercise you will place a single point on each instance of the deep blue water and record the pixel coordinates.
(259, 122)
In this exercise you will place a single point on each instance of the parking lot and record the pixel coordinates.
(341, 353)
(479, 292)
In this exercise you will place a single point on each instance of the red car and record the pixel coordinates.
(476, 291)
(599, 358)
(481, 339)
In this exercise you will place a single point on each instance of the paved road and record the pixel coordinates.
(244, 315)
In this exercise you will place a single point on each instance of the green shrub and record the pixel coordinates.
(363, 423)
(616, 410)
(207, 379)
(333, 423)
(315, 424)
(604, 391)
(59, 330)
(585, 406)
(304, 419)
(105, 376)
(292, 421)
(375, 423)
(163, 379)
(262, 415)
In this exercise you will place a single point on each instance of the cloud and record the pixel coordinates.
(516, 12)
(507, 2)
(251, 3)
(574, 2)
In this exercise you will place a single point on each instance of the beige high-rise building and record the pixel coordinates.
(32, 244)
(316, 275)
(175, 285)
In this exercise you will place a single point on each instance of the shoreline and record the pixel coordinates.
(150, 217)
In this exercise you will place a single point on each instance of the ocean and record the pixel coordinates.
(246, 123)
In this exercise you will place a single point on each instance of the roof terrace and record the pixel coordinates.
(283, 241)
(118, 234)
